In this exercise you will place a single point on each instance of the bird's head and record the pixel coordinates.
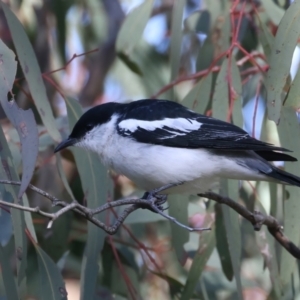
(90, 128)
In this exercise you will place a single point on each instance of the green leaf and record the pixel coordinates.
(52, 285)
(132, 65)
(179, 210)
(220, 104)
(22, 120)
(8, 276)
(31, 70)
(274, 12)
(288, 129)
(222, 243)
(198, 97)
(176, 37)
(293, 97)
(96, 187)
(63, 175)
(133, 27)
(207, 244)
(266, 38)
(280, 62)
(231, 221)
(237, 114)
(266, 244)
(7, 171)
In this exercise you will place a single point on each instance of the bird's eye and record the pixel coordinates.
(89, 126)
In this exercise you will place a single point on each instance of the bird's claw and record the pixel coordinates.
(157, 200)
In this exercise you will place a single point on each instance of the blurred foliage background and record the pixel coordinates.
(236, 60)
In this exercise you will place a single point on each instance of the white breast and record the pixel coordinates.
(153, 166)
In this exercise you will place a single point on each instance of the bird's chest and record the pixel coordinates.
(119, 154)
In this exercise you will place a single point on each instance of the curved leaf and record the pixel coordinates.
(222, 243)
(293, 97)
(280, 62)
(288, 129)
(207, 244)
(133, 27)
(179, 210)
(31, 70)
(220, 104)
(198, 97)
(96, 187)
(274, 12)
(52, 285)
(8, 276)
(22, 120)
(176, 37)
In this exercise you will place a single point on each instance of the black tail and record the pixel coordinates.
(284, 177)
(275, 156)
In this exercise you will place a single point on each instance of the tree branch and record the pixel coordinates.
(153, 203)
(257, 219)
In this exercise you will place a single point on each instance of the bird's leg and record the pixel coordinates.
(156, 199)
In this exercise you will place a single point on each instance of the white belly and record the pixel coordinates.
(153, 166)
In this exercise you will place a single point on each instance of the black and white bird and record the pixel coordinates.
(158, 142)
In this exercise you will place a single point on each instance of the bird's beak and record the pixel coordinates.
(64, 144)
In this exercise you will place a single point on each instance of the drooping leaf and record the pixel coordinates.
(265, 37)
(133, 27)
(8, 276)
(176, 37)
(179, 210)
(31, 71)
(23, 120)
(288, 130)
(266, 244)
(220, 104)
(222, 243)
(274, 12)
(132, 65)
(96, 188)
(63, 175)
(52, 286)
(198, 97)
(207, 243)
(237, 115)
(293, 97)
(233, 231)
(280, 61)
(10, 194)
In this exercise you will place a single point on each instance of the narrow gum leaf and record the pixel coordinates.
(133, 27)
(280, 60)
(96, 187)
(31, 70)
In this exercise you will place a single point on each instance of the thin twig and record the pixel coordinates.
(90, 213)
(257, 219)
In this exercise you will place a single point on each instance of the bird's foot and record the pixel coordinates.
(157, 200)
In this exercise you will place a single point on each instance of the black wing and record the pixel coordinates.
(167, 123)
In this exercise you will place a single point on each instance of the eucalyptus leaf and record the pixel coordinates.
(176, 37)
(31, 70)
(22, 120)
(52, 286)
(8, 276)
(198, 97)
(96, 188)
(133, 28)
(288, 129)
(206, 245)
(280, 60)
